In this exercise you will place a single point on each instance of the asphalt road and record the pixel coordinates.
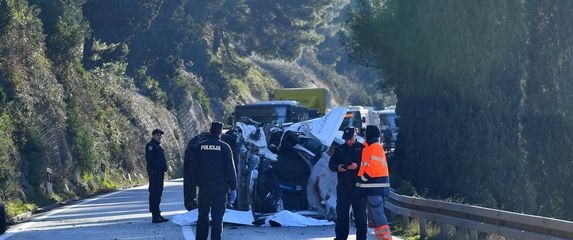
(124, 215)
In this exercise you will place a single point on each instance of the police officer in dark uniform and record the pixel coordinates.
(190, 187)
(156, 168)
(214, 173)
(345, 161)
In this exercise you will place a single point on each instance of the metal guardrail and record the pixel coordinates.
(473, 219)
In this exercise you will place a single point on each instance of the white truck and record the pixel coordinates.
(358, 117)
(388, 126)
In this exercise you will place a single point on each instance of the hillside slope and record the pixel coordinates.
(83, 82)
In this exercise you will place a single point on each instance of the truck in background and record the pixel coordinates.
(388, 126)
(317, 100)
(359, 117)
(271, 112)
(289, 105)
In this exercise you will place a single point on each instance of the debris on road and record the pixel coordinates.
(231, 216)
(289, 219)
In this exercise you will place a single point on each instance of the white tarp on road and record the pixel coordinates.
(231, 216)
(289, 219)
(284, 218)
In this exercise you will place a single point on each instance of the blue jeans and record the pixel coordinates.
(376, 215)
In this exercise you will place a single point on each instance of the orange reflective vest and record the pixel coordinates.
(373, 173)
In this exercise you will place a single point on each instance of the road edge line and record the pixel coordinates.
(188, 232)
(27, 225)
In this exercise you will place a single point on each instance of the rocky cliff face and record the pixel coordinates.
(72, 121)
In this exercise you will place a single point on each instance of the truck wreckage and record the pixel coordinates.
(282, 167)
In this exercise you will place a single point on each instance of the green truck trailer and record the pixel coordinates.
(315, 99)
(289, 105)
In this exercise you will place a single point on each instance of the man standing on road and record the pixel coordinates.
(190, 187)
(345, 161)
(214, 173)
(374, 182)
(156, 168)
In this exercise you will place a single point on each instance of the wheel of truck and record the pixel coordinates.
(2, 219)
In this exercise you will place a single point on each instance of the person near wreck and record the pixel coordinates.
(345, 161)
(156, 168)
(189, 187)
(374, 182)
(214, 173)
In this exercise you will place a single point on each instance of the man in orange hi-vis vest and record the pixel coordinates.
(374, 182)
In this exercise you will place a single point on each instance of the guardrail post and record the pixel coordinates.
(443, 231)
(49, 182)
(473, 235)
(102, 169)
(406, 221)
(460, 233)
(423, 228)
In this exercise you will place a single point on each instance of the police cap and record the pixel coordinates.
(216, 127)
(157, 131)
(349, 133)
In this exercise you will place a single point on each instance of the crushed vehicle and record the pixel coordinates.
(282, 163)
(285, 167)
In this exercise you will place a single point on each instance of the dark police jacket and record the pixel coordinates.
(189, 187)
(155, 158)
(346, 155)
(213, 163)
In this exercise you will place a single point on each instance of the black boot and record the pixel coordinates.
(157, 218)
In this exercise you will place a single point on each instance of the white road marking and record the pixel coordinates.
(27, 225)
(133, 238)
(188, 233)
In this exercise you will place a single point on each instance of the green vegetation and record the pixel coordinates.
(8, 173)
(483, 93)
(482, 87)
(412, 232)
(82, 82)
(18, 207)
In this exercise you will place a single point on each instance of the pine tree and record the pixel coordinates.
(547, 122)
(457, 67)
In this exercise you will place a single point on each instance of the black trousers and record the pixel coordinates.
(155, 190)
(345, 199)
(212, 198)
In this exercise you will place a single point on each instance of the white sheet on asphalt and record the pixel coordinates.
(231, 216)
(289, 219)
